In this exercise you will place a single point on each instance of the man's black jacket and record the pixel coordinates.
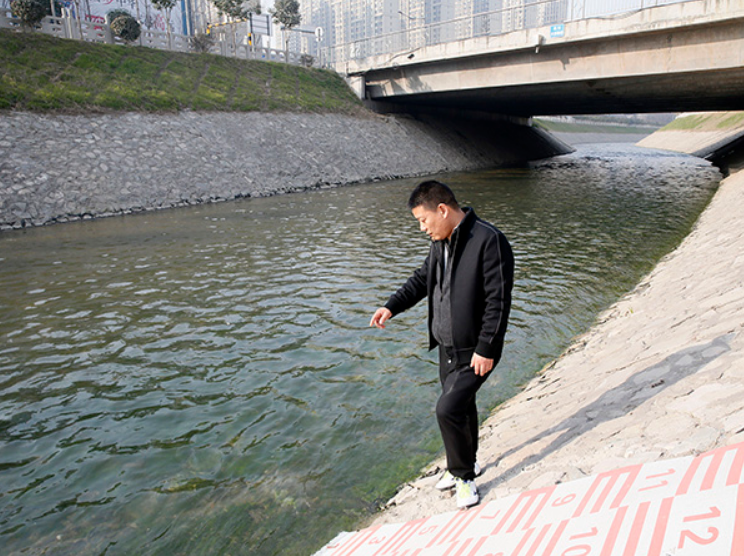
(482, 280)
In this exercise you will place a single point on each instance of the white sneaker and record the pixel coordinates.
(447, 481)
(467, 493)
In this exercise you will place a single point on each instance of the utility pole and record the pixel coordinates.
(318, 32)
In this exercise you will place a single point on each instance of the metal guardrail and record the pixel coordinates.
(528, 15)
(72, 28)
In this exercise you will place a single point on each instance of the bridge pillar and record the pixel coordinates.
(358, 85)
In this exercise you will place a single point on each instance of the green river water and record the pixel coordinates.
(204, 381)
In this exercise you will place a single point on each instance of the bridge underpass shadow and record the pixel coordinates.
(617, 402)
(491, 139)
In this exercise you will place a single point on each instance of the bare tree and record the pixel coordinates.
(287, 13)
(237, 9)
(167, 7)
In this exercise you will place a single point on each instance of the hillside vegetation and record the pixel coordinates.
(43, 73)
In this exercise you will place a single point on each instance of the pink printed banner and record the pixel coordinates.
(692, 506)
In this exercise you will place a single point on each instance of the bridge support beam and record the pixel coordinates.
(680, 57)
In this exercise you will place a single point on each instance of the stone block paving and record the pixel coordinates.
(61, 168)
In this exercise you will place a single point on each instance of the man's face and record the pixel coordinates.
(433, 222)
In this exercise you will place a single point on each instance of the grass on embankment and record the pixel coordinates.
(42, 73)
(577, 127)
(713, 121)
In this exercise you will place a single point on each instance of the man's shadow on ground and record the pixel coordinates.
(636, 390)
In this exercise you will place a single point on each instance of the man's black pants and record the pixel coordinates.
(457, 413)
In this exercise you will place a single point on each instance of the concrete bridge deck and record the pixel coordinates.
(679, 57)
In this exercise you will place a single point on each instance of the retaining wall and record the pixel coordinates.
(57, 168)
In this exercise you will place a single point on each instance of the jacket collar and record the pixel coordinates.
(464, 226)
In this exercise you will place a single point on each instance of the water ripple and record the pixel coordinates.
(203, 380)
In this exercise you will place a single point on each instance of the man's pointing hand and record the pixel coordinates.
(381, 315)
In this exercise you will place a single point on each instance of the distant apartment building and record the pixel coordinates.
(360, 28)
(350, 22)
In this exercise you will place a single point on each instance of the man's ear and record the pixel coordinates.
(443, 210)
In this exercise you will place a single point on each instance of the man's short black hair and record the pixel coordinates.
(430, 194)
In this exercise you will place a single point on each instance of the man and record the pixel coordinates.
(467, 277)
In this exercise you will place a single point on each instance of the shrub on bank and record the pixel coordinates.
(201, 42)
(30, 12)
(126, 28)
(113, 14)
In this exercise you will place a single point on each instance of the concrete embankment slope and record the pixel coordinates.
(715, 136)
(659, 376)
(57, 168)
